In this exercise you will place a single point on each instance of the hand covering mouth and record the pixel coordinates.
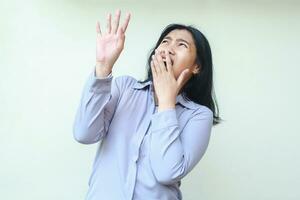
(165, 61)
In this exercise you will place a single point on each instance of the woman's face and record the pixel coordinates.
(182, 51)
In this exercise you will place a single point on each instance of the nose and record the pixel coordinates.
(166, 50)
(171, 51)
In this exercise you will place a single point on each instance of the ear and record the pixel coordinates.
(196, 69)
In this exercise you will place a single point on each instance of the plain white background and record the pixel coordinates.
(47, 50)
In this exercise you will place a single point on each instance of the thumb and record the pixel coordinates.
(180, 80)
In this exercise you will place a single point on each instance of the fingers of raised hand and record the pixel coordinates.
(116, 22)
(125, 24)
(108, 23)
(98, 30)
(114, 27)
(122, 28)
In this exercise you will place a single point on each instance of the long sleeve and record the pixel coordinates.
(96, 108)
(173, 154)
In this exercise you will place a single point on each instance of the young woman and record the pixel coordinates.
(153, 132)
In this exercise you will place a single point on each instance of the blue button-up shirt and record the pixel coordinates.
(143, 154)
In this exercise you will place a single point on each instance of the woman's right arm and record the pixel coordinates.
(100, 95)
(97, 105)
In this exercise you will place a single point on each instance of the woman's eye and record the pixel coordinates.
(182, 44)
(164, 41)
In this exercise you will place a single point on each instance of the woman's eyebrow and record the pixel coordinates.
(179, 39)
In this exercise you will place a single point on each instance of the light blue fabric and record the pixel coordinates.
(143, 154)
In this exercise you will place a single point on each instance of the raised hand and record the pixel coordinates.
(110, 44)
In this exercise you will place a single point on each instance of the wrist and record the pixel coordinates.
(103, 65)
(102, 70)
(162, 107)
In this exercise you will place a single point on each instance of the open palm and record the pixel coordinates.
(109, 45)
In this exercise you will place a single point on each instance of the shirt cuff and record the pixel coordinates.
(164, 119)
(108, 76)
(100, 85)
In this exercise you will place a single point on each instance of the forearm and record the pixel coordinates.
(166, 151)
(89, 125)
(175, 150)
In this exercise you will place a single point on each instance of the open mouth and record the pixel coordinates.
(165, 62)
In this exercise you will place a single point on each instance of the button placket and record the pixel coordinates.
(141, 132)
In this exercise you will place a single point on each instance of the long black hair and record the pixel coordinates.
(199, 88)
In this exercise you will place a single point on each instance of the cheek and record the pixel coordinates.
(184, 62)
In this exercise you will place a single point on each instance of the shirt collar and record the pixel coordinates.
(141, 85)
(179, 99)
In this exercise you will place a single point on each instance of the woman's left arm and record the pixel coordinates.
(174, 153)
